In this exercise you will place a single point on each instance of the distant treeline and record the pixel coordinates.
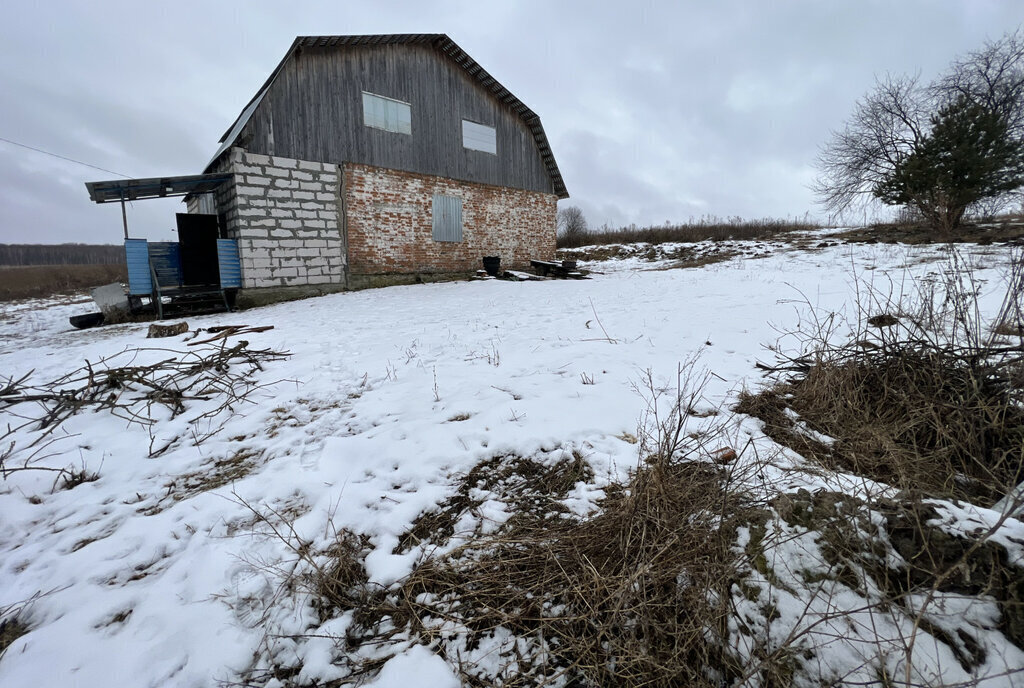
(61, 254)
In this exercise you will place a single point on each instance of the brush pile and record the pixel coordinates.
(926, 396)
(217, 379)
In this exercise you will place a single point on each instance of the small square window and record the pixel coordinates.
(447, 215)
(387, 114)
(479, 137)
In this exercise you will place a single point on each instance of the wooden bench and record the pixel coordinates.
(554, 268)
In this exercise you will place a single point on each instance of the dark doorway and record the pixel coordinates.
(197, 236)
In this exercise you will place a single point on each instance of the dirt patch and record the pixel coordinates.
(530, 488)
(1006, 230)
(687, 256)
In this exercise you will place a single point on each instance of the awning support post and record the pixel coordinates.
(124, 216)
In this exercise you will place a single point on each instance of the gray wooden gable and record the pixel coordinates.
(311, 108)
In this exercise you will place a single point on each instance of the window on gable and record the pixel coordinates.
(387, 114)
(447, 212)
(479, 137)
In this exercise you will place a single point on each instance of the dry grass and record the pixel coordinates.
(39, 281)
(643, 592)
(907, 416)
(654, 589)
(636, 595)
(531, 488)
(923, 397)
(621, 598)
(11, 629)
(1002, 229)
(219, 473)
(1008, 329)
(709, 227)
(895, 551)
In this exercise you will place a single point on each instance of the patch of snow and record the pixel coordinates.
(132, 580)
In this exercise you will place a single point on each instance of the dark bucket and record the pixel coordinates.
(492, 265)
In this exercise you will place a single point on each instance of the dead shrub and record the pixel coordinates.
(925, 400)
(139, 394)
(623, 598)
(905, 416)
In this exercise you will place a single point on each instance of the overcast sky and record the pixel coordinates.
(656, 111)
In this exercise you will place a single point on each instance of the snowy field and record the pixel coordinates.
(144, 577)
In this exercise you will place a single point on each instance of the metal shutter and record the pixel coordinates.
(447, 218)
(227, 260)
(136, 253)
(165, 259)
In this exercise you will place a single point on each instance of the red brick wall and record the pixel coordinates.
(388, 214)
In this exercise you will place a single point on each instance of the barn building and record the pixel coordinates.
(373, 159)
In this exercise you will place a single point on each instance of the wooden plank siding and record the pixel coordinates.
(313, 111)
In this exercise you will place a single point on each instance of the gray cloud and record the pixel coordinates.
(656, 111)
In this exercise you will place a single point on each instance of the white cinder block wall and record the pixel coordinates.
(285, 215)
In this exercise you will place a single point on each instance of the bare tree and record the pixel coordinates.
(572, 226)
(992, 77)
(901, 130)
(885, 127)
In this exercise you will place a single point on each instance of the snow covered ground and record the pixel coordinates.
(145, 578)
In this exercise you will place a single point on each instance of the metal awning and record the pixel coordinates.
(155, 187)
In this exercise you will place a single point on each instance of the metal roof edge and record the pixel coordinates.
(107, 191)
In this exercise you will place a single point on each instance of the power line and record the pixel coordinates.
(77, 162)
